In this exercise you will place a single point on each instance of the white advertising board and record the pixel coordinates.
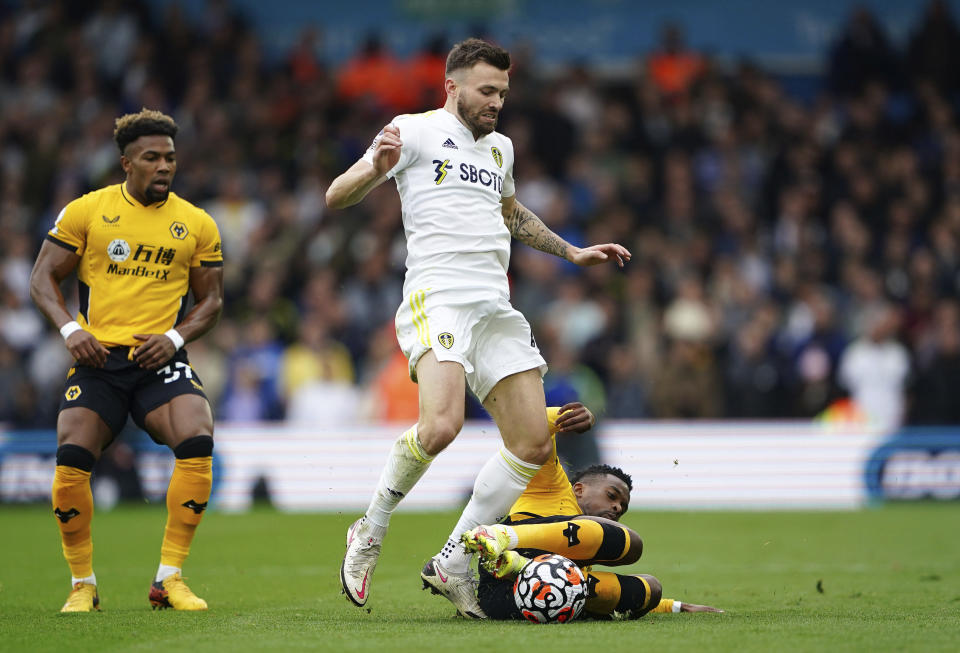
(674, 465)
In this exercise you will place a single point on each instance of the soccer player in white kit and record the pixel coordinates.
(456, 326)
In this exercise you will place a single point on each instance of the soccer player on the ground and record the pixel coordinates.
(577, 520)
(139, 250)
(456, 326)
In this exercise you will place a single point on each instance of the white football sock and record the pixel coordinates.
(501, 482)
(165, 571)
(405, 465)
(89, 580)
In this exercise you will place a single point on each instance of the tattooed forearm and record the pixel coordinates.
(530, 230)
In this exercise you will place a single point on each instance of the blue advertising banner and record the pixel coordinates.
(916, 464)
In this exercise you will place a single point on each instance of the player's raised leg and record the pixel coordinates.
(81, 435)
(442, 388)
(584, 539)
(185, 424)
(518, 407)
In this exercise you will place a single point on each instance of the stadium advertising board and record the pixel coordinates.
(916, 464)
(711, 465)
(27, 459)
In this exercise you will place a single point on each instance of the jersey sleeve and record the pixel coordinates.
(70, 229)
(409, 135)
(509, 189)
(209, 253)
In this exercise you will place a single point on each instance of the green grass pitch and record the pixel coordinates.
(882, 579)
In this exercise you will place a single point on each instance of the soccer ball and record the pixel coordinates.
(550, 589)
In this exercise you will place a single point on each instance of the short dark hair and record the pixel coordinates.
(148, 122)
(602, 470)
(468, 53)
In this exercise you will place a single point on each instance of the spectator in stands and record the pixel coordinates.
(306, 65)
(875, 368)
(375, 75)
(393, 397)
(369, 299)
(862, 54)
(626, 394)
(687, 385)
(673, 68)
(935, 391)
(424, 69)
(239, 213)
(934, 45)
(20, 326)
(11, 376)
(253, 385)
(754, 384)
(315, 357)
(317, 376)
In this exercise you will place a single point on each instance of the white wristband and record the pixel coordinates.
(175, 338)
(677, 605)
(69, 328)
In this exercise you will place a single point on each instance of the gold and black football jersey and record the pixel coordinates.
(135, 260)
(549, 492)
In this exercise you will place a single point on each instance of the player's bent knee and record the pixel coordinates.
(543, 452)
(535, 453)
(436, 434)
(656, 590)
(200, 446)
(638, 594)
(620, 545)
(636, 548)
(71, 455)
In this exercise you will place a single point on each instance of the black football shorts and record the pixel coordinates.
(121, 387)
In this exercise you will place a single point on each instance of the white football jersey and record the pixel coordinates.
(450, 188)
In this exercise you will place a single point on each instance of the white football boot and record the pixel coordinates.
(359, 562)
(459, 589)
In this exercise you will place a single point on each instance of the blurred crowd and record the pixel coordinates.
(794, 257)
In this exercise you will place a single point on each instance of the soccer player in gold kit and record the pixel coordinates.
(578, 520)
(139, 250)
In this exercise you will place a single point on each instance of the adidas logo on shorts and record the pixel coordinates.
(449, 143)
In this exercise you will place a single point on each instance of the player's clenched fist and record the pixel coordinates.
(386, 153)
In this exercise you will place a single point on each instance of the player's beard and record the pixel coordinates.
(156, 196)
(471, 118)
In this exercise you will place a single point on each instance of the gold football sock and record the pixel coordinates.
(73, 507)
(582, 540)
(665, 606)
(187, 497)
(610, 591)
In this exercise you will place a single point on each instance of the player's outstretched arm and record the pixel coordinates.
(53, 264)
(675, 605)
(361, 178)
(693, 607)
(206, 284)
(529, 229)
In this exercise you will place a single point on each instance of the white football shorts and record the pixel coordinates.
(479, 330)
